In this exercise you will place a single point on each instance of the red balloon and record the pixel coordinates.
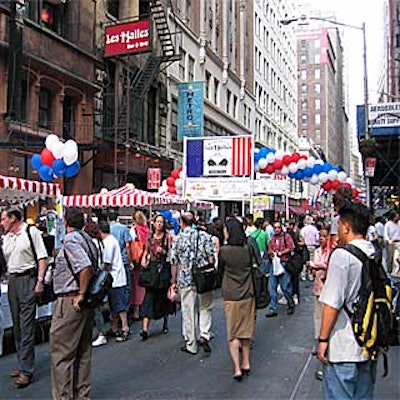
(336, 185)
(355, 193)
(295, 157)
(171, 190)
(286, 160)
(47, 158)
(263, 170)
(278, 164)
(180, 168)
(327, 186)
(171, 181)
(175, 174)
(270, 169)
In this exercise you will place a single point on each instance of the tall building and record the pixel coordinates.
(322, 116)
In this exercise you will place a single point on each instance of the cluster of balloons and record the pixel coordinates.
(174, 183)
(301, 167)
(171, 220)
(57, 159)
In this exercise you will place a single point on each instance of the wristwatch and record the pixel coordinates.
(321, 340)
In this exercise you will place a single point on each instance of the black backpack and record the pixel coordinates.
(372, 317)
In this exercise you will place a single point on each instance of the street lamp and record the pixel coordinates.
(303, 20)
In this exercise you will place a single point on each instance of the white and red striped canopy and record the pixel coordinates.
(24, 191)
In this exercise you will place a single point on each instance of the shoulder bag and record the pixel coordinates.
(260, 284)
(136, 250)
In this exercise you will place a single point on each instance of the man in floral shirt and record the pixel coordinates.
(192, 247)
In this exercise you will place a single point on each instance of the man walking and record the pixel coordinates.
(310, 236)
(189, 248)
(348, 371)
(391, 236)
(23, 249)
(71, 326)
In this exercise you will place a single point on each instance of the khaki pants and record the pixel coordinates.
(71, 351)
(192, 318)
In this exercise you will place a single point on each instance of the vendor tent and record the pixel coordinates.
(23, 191)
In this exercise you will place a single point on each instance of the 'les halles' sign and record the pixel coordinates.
(127, 38)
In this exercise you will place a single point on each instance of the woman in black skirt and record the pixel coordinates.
(156, 304)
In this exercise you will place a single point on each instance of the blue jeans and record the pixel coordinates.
(349, 380)
(286, 285)
(99, 320)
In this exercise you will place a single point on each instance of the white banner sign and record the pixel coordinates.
(218, 188)
(384, 114)
(273, 184)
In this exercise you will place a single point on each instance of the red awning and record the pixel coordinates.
(297, 210)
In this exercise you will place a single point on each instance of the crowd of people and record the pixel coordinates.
(286, 251)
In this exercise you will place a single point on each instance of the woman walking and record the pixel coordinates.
(156, 304)
(237, 291)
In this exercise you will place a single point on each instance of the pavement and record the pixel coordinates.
(282, 364)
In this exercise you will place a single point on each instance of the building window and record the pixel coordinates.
(216, 91)
(191, 69)
(303, 74)
(54, 16)
(69, 110)
(182, 63)
(317, 58)
(304, 105)
(113, 8)
(304, 88)
(304, 119)
(317, 104)
(317, 88)
(235, 106)
(208, 83)
(317, 136)
(317, 119)
(45, 100)
(317, 73)
(303, 58)
(228, 100)
(174, 120)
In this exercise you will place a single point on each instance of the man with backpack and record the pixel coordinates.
(349, 372)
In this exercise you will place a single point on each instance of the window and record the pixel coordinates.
(208, 83)
(304, 119)
(174, 120)
(228, 100)
(317, 136)
(317, 58)
(45, 100)
(216, 91)
(69, 109)
(304, 88)
(317, 119)
(235, 106)
(182, 63)
(303, 74)
(303, 58)
(304, 105)
(113, 8)
(317, 104)
(317, 73)
(191, 68)
(317, 88)
(54, 15)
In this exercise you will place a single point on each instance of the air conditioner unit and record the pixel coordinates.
(100, 75)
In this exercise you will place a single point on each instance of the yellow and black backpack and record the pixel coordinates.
(372, 317)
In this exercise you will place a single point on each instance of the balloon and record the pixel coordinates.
(310, 162)
(299, 175)
(327, 186)
(335, 185)
(287, 159)
(179, 191)
(70, 155)
(285, 170)
(342, 176)
(336, 168)
(180, 168)
(171, 181)
(319, 162)
(175, 174)
(278, 164)
(279, 154)
(51, 141)
(349, 181)
(178, 184)
(59, 167)
(167, 214)
(326, 167)
(263, 152)
(58, 149)
(71, 144)
(355, 192)
(317, 169)
(314, 179)
(270, 158)
(332, 174)
(308, 172)
(323, 177)
(262, 163)
(36, 162)
(270, 169)
(171, 190)
(293, 167)
(257, 168)
(46, 173)
(291, 175)
(256, 157)
(47, 158)
(72, 169)
(301, 164)
(295, 157)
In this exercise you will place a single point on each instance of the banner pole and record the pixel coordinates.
(252, 172)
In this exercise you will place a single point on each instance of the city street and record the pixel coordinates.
(282, 365)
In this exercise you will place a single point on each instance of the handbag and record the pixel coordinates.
(260, 285)
(173, 294)
(149, 277)
(136, 250)
(206, 277)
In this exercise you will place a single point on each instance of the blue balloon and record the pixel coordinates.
(175, 225)
(167, 214)
(327, 167)
(36, 162)
(72, 169)
(337, 168)
(256, 157)
(317, 169)
(46, 173)
(308, 172)
(59, 167)
(273, 151)
(263, 152)
(299, 174)
(292, 175)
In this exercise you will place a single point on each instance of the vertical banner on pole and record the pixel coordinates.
(191, 110)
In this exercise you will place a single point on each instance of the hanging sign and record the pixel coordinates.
(153, 178)
(370, 165)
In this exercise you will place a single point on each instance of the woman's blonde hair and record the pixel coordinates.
(139, 218)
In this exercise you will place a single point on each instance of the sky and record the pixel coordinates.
(355, 12)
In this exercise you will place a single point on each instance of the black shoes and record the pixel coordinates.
(290, 311)
(144, 335)
(185, 350)
(271, 314)
(205, 344)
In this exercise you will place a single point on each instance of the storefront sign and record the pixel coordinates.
(127, 38)
(370, 164)
(221, 188)
(271, 184)
(153, 178)
(191, 110)
(261, 203)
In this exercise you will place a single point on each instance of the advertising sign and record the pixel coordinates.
(222, 156)
(273, 184)
(127, 38)
(261, 203)
(153, 178)
(218, 188)
(370, 164)
(384, 114)
(191, 110)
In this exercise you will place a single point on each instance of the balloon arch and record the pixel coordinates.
(296, 166)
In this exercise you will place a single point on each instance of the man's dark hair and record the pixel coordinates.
(104, 226)
(357, 216)
(249, 216)
(113, 216)
(392, 214)
(187, 218)
(237, 237)
(14, 212)
(74, 218)
(259, 223)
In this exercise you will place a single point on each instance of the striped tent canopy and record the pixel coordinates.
(24, 191)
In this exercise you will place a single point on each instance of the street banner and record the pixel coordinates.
(222, 156)
(218, 188)
(127, 38)
(271, 184)
(191, 110)
(153, 178)
(370, 165)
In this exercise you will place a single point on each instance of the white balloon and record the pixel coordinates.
(323, 177)
(256, 167)
(319, 161)
(350, 180)
(70, 156)
(51, 140)
(306, 179)
(58, 149)
(285, 170)
(270, 158)
(103, 190)
(301, 164)
(314, 179)
(178, 184)
(310, 162)
(332, 175)
(182, 174)
(71, 144)
(179, 191)
(262, 163)
(293, 167)
(256, 150)
(279, 155)
(342, 176)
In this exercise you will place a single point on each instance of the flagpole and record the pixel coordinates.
(252, 173)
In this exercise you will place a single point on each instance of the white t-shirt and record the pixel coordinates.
(341, 286)
(112, 255)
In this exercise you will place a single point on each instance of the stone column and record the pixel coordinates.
(225, 23)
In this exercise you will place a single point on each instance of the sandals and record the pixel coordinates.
(123, 336)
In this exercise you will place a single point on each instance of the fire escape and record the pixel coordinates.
(136, 84)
